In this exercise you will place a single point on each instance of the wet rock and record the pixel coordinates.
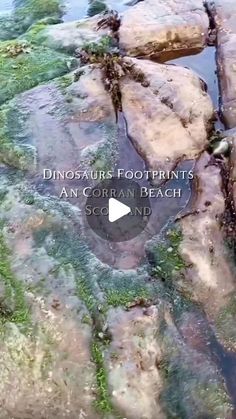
(96, 7)
(135, 382)
(193, 385)
(222, 148)
(77, 117)
(169, 120)
(204, 248)
(47, 376)
(50, 258)
(156, 369)
(224, 14)
(153, 27)
(68, 36)
(231, 136)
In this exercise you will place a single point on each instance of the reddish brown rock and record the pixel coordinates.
(231, 137)
(169, 120)
(210, 271)
(203, 244)
(131, 360)
(153, 26)
(224, 13)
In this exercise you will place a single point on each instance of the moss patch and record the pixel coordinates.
(64, 82)
(9, 27)
(14, 149)
(104, 156)
(85, 293)
(33, 10)
(167, 259)
(36, 33)
(14, 290)
(97, 50)
(103, 402)
(96, 7)
(23, 66)
(126, 298)
(225, 324)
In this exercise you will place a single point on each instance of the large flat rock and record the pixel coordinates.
(224, 12)
(153, 26)
(168, 120)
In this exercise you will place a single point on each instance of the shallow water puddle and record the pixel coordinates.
(6, 6)
(75, 9)
(130, 254)
(204, 64)
(72, 138)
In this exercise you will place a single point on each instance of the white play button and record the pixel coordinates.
(117, 210)
(120, 216)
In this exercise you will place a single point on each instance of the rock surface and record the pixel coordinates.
(153, 27)
(224, 14)
(81, 339)
(71, 109)
(68, 36)
(204, 251)
(132, 363)
(24, 66)
(146, 351)
(231, 136)
(169, 119)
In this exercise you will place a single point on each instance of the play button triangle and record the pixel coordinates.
(117, 210)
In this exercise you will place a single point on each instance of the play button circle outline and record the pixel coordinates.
(115, 217)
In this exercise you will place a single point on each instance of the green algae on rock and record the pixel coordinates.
(166, 256)
(96, 7)
(192, 384)
(63, 103)
(23, 66)
(13, 307)
(67, 36)
(12, 149)
(27, 12)
(39, 9)
(103, 401)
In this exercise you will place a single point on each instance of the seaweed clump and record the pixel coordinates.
(113, 66)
